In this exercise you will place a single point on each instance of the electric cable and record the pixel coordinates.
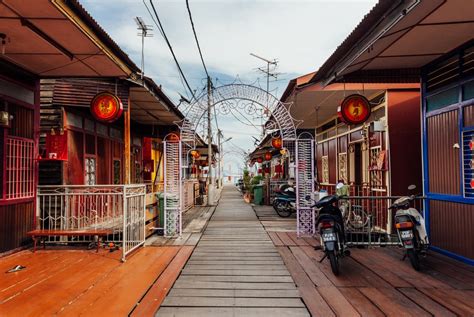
(196, 38)
(163, 33)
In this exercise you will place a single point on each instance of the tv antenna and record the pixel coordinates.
(144, 32)
(269, 74)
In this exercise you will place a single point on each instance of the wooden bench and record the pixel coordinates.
(43, 234)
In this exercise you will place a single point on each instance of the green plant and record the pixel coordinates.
(254, 181)
(247, 179)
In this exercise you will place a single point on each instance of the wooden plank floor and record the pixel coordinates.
(80, 282)
(272, 222)
(235, 270)
(194, 223)
(374, 282)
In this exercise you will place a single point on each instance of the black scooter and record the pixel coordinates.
(285, 201)
(331, 230)
(411, 229)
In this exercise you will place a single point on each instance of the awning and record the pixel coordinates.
(314, 104)
(400, 35)
(56, 38)
(151, 106)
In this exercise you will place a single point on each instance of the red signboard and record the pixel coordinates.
(56, 147)
(355, 109)
(106, 107)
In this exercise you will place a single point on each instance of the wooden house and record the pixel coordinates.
(429, 42)
(40, 39)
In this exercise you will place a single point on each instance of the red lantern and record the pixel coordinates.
(354, 109)
(259, 171)
(277, 143)
(195, 154)
(106, 107)
(172, 138)
(268, 156)
(260, 160)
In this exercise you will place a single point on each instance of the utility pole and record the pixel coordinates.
(144, 32)
(210, 189)
(219, 134)
(269, 74)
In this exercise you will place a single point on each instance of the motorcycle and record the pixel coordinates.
(411, 231)
(330, 225)
(285, 201)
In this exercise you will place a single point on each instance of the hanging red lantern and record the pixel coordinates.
(260, 160)
(268, 156)
(106, 107)
(277, 143)
(259, 171)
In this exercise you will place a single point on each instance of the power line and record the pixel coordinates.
(196, 38)
(162, 31)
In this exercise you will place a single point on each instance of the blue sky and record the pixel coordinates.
(300, 34)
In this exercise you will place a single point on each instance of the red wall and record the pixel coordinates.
(405, 140)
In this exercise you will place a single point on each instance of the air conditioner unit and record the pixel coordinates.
(377, 126)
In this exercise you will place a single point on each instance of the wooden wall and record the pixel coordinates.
(451, 227)
(404, 112)
(443, 163)
(15, 221)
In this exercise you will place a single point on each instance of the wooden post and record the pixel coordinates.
(127, 146)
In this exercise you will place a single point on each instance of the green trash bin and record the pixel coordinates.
(161, 200)
(258, 194)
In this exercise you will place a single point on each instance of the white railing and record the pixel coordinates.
(119, 209)
(188, 193)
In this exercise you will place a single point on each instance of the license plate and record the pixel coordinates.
(406, 235)
(330, 236)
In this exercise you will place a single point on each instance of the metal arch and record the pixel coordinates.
(299, 149)
(243, 92)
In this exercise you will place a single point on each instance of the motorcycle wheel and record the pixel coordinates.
(334, 262)
(283, 209)
(275, 204)
(414, 260)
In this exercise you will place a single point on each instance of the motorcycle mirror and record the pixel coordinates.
(412, 187)
(307, 197)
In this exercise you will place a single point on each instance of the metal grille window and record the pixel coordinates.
(377, 176)
(19, 168)
(342, 165)
(325, 169)
(90, 177)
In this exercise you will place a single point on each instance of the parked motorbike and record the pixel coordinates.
(285, 201)
(410, 226)
(330, 225)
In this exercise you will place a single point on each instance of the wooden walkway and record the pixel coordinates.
(70, 282)
(234, 271)
(195, 221)
(374, 282)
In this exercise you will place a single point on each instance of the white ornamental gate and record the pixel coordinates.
(173, 186)
(278, 118)
(305, 184)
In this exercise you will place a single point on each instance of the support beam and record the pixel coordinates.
(127, 144)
